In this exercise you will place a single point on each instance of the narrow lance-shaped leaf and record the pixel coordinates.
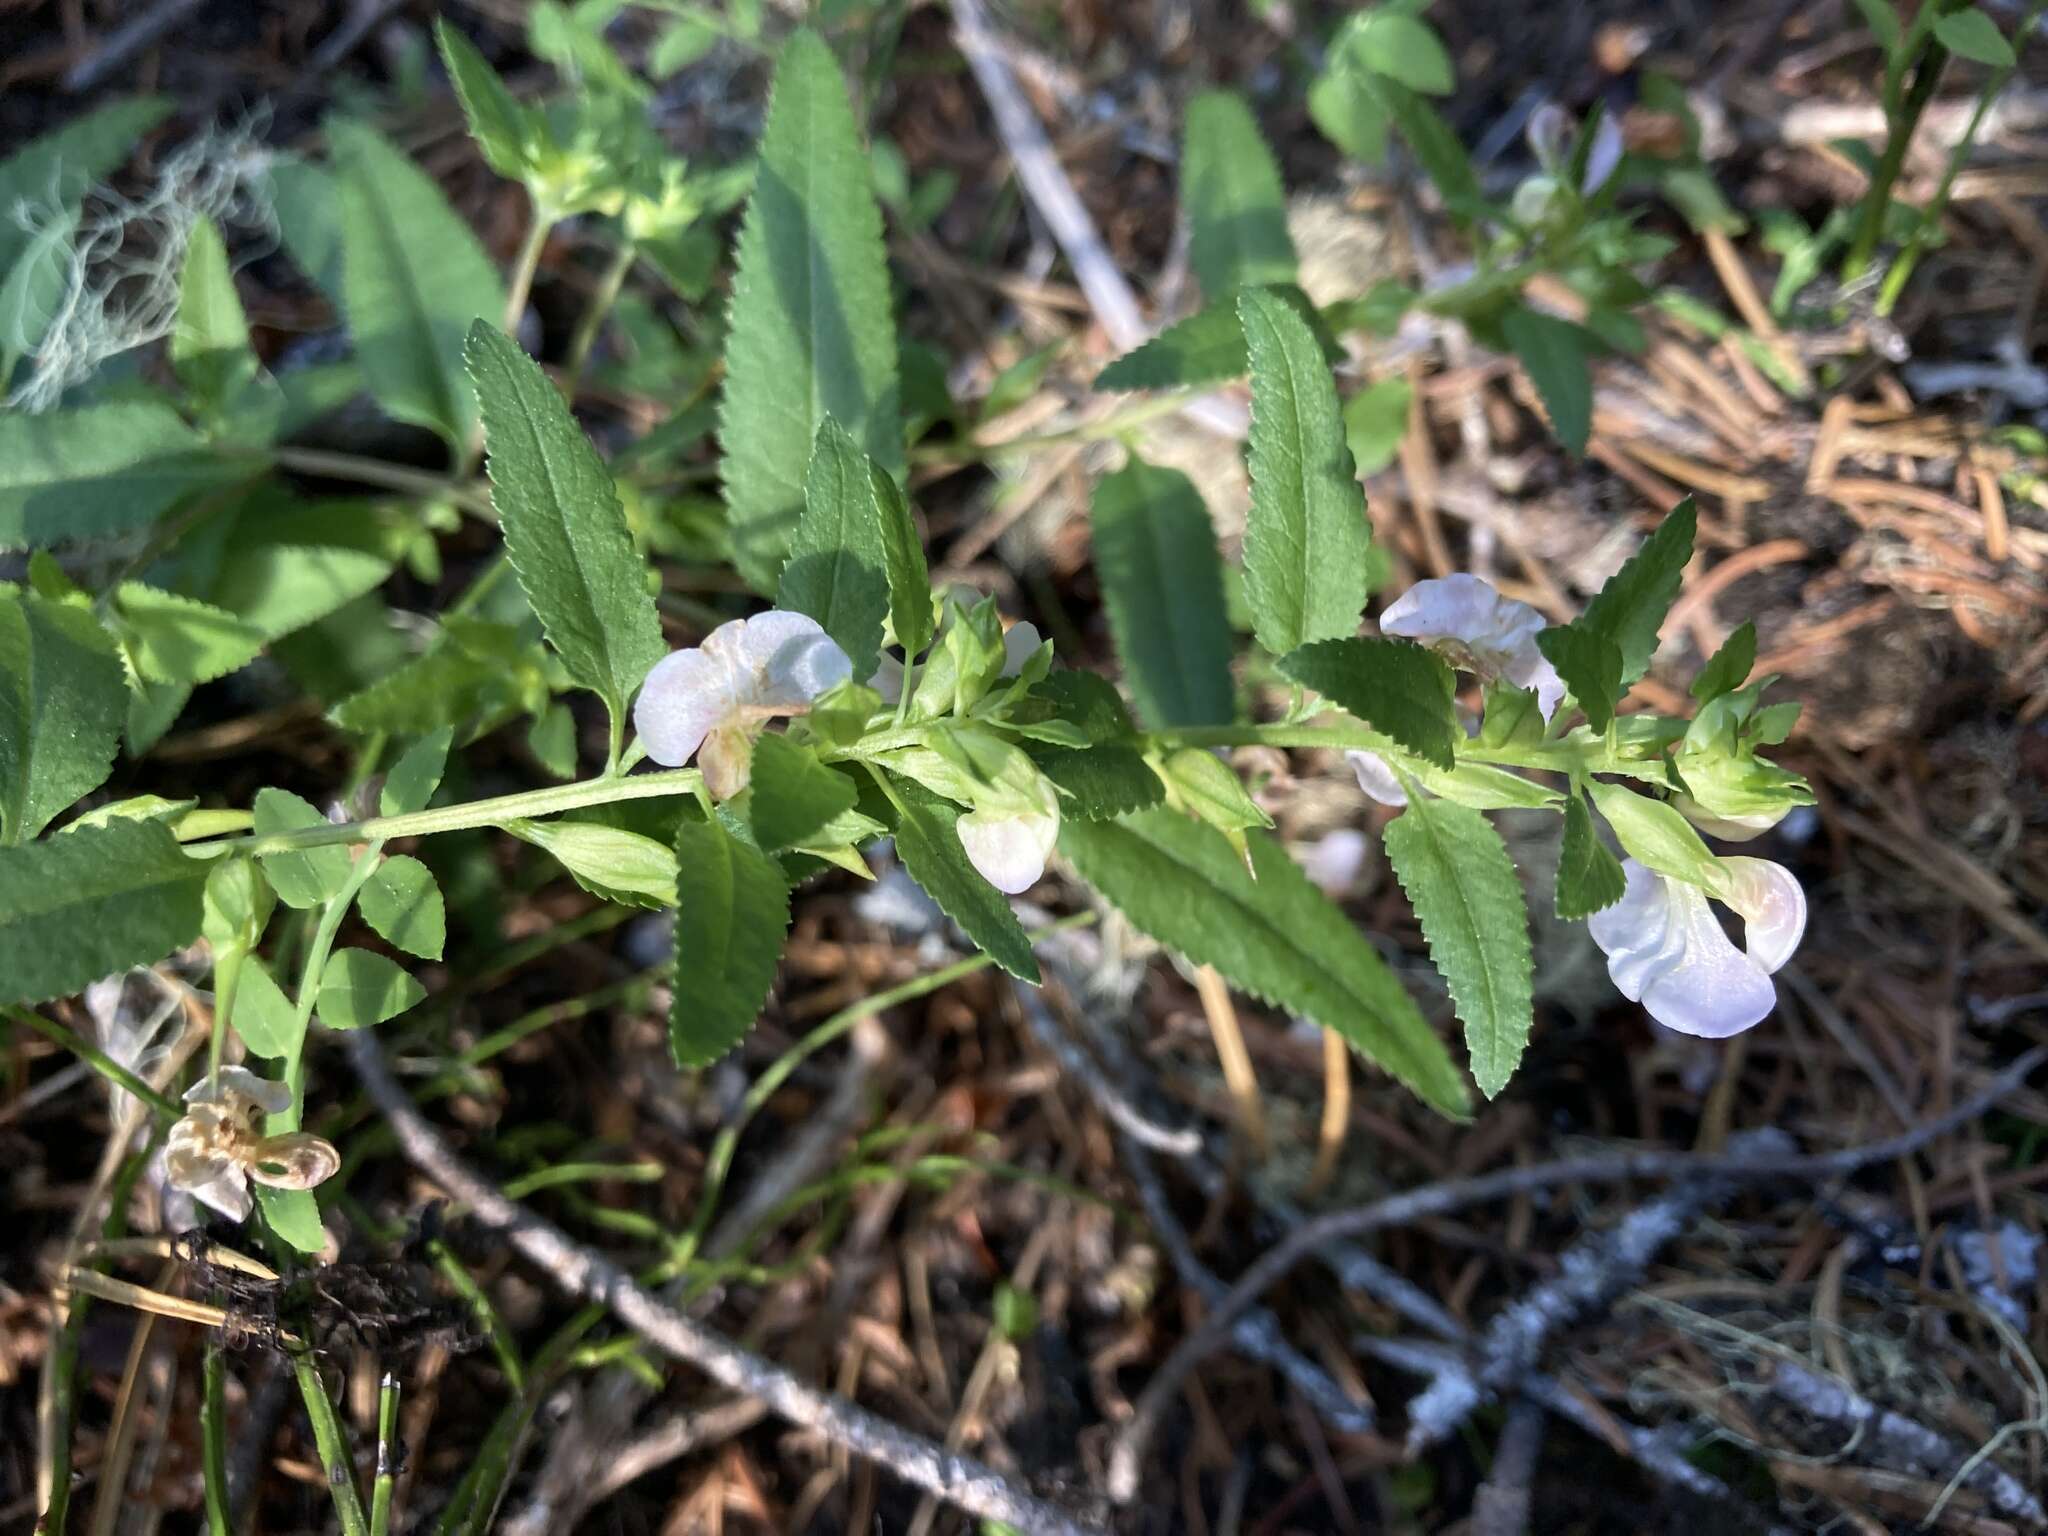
(94, 900)
(565, 532)
(837, 570)
(793, 795)
(1162, 583)
(413, 280)
(732, 915)
(99, 470)
(1630, 608)
(62, 701)
(1555, 353)
(1589, 877)
(1306, 539)
(1465, 893)
(1395, 686)
(811, 330)
(1266, 929)
(210, 340)
(1236, 205)
(496, 119)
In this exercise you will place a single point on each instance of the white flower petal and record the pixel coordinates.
(1009, 851)
(1730, 829)
(1376, 778)
(1665, 950)
(888, 679)
(1020, 643)
(789, 661)
(1332, 863)
(228, 1194)
(684, 698)
(1605, 154)
(1479, 630)
(1772, 904)
(1546, 131)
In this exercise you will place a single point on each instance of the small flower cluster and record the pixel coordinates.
(713, 700)
(1664, 947)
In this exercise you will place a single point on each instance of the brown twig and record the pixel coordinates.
(959, 1480)
(1437, 1199)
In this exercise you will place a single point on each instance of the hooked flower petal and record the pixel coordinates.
(1377, 779)
(1666, 950)
(1475, 628)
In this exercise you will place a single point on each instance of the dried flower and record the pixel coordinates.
(218, 1146)
(1666, 950)
(717, 697)
(1477, 630)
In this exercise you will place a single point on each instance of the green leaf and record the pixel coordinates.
(928, 843)
(1654, 834)
(565, 532)
(1099, 783)
(1729, 667)
(1883, 21)
(94, 901)
(360, 987)
(36, 285)
(1266, 929)
(498, 123)
(837, 571)
(552, 740)
(1402, 48)
(1433, 144)
(1590, 665)
(1306, 540)
(1236, 206)
(55, 170)
(402, 902)
(413, 281)
(62, 702)
(283, 565)
(181, 640)
(1554, 352)
(415, 776)
(209, 343)
(1209, 789)
(1375, 421)
(1970, 34)
(1631, 607)
(99, 470)
(1466, 894)
(264, 1017)
(1395, 686)
(732, 916)
(475, 674)
(1162, 584)
(1348, 112)
(793, 794)
(1589, 877)
(612, 862)
(812, 332)
(1207, 347)
(302, 877)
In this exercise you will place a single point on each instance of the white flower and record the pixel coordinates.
(1666, 950)
(215, 1150)
(888, 679)
(1008, 845)
(1546, 133)
(1477, 630)
(719, 695)
(1377, 779)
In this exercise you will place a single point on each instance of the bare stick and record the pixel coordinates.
(960, 1480)
(1501, 1506)
(1455, 1194)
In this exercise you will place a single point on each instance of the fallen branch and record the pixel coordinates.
(959, 1480)
(1438, 1199)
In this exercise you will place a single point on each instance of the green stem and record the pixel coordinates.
(524, 266)
(593, 318)
(390, 477)
(474, 813)
(386, 1484)
(1930, 216)
(213, 1429)
(1904, 123)
(95, 1058)
(331, 1442)
(227, 980)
